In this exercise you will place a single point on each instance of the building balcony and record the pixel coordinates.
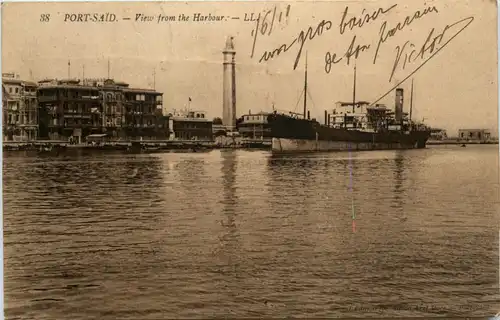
(76, 116)
(47, 98)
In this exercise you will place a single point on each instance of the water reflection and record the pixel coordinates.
(399, 193)
(229, 198)
(228, 252)
(83, 217)
(230, 230)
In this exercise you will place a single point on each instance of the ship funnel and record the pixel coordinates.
(399, 104)
(308, 115)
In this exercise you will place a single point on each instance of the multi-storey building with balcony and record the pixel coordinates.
(74, 109)
(143, 114)
(20, 108)
(113, 108)
(69, 110)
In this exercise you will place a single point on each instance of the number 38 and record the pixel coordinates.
(45, 17)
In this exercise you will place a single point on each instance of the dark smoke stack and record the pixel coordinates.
(399, 105)
(308, 115)
(326, 118)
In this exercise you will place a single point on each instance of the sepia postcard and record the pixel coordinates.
(250, 159)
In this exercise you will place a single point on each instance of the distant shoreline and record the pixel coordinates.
(456, 142)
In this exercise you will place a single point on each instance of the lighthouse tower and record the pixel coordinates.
(229, 86)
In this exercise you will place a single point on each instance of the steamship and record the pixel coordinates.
(356, 125)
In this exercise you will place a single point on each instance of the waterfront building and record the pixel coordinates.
(190, 125)
(143, 114)
(69, 110)
(474, 134)
(254, 126)
(113, 109)
(72, 110)
(20, 108)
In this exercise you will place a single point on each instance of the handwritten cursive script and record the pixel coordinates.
(433, 44)
(310, 34)
(355, 22)
(387, 34)
(353, 51)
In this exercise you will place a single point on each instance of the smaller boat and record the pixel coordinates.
(463, 145)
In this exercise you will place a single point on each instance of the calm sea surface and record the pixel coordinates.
(247, 234)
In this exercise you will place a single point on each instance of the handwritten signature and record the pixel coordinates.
(432, 46)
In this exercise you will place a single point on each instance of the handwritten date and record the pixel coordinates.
(264, 24)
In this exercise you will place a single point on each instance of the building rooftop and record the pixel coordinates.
(11, 81)
(92, 84)
(141, 90)
(473, 130)
(264, 113)
(189, 119)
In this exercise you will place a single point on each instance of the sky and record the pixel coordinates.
(456, 88)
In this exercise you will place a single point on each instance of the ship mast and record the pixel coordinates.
(305, 90)
(354, 90)
(411, 99)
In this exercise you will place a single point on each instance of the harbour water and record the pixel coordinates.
(246, 234)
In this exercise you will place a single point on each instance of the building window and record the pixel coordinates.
(140, 97)
(10, 90)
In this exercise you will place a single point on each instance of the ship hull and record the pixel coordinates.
(285, 145)
(291, 135)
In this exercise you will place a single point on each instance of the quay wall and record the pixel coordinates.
(152, 145)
